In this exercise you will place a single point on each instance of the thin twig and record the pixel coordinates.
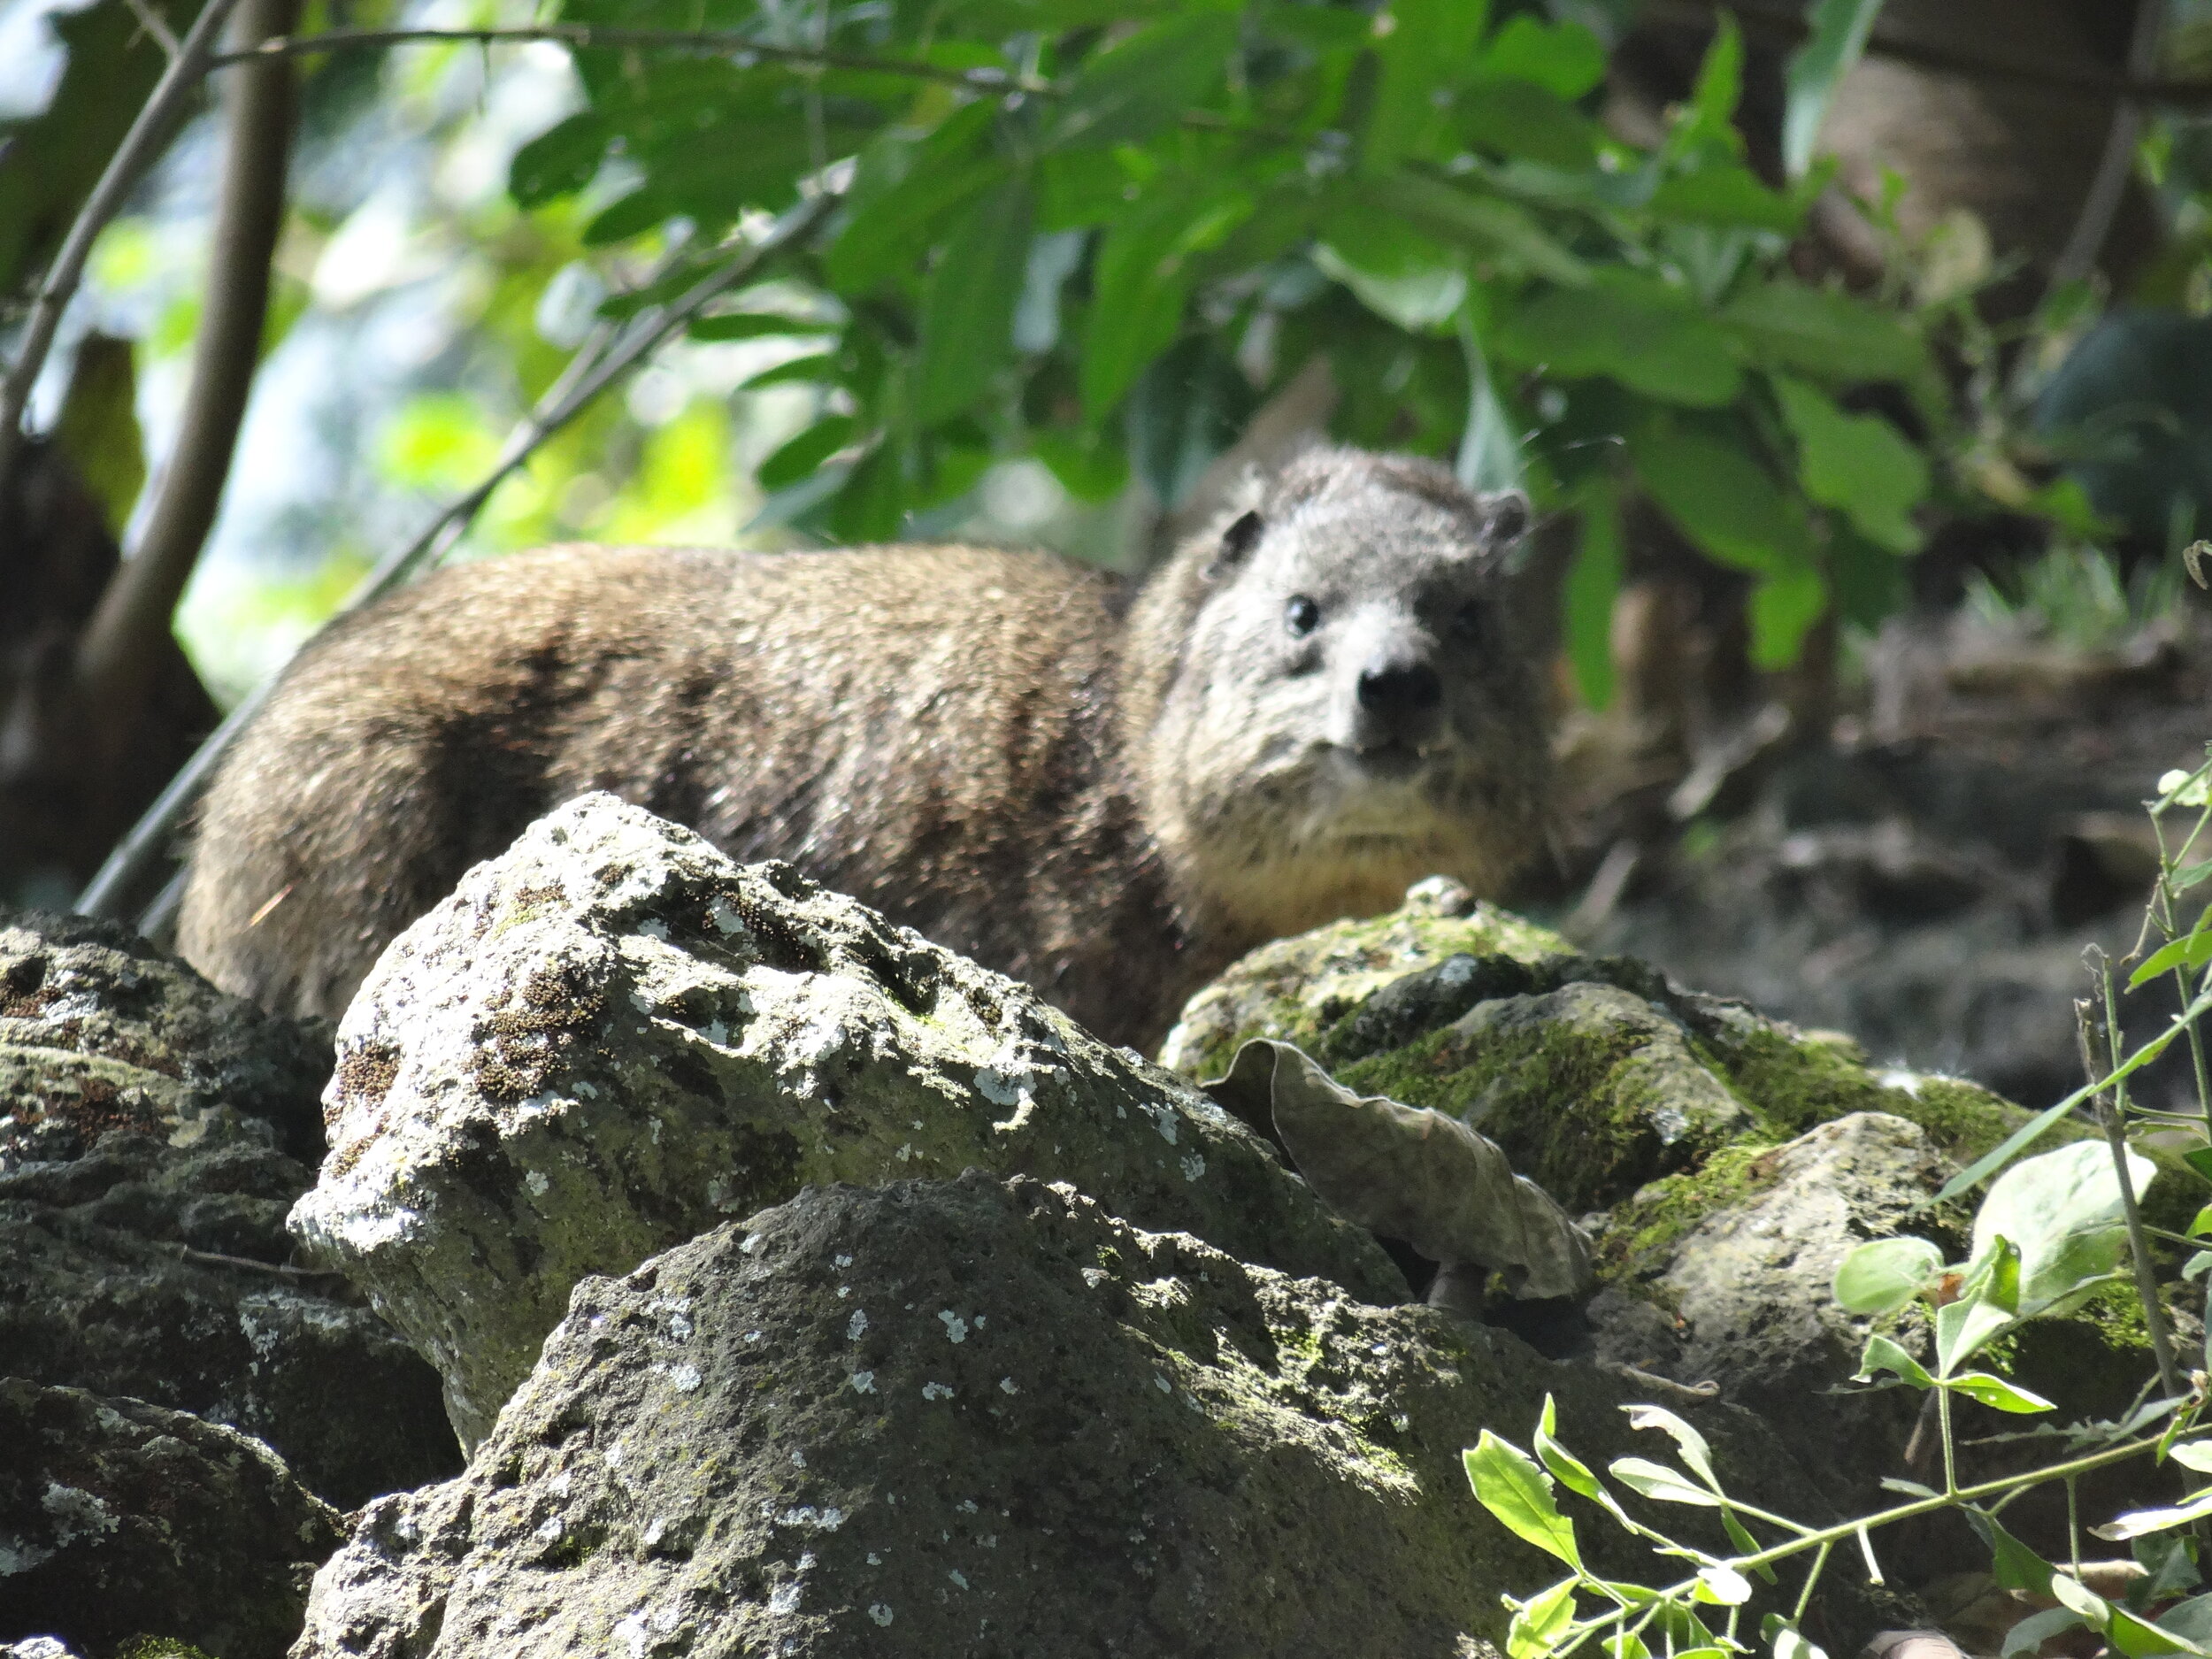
(590, 36)
(2112, 1112)
(2116, 166)
(160, 32)
(602, 357)
(148, 134)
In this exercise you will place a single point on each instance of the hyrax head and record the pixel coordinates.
(1327, 701)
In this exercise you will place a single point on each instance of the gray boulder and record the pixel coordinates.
(611, 1037)
(151, 1138)
(986, 1417)
(120, 1520)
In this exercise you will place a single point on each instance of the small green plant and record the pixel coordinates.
(2052, 1230)
(2074, 594)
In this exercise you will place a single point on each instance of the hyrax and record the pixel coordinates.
(1312, 704)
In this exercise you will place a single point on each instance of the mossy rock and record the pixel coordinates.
(1295, 989)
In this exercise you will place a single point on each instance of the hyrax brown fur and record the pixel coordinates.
(1312, 704)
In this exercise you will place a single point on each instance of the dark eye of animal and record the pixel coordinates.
(1470, 621)
(1300, 616)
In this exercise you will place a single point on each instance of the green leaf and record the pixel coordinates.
(1566, 59)
(560, 161)
(1783, 608)
(1421, 45)
(1686, 1439)
(1789, 1642)
(823, 367)
(1840, 28)
(1722, 1585)
(1488, 226)
(1538, 1622)
(1721, 190)
(2062, 1209)
(1489, 454)
(1138, 283)
(904, 190)
(2195, 1455)
(1398, 274)
(1988, 1305)
(1508, 1484)
(1132, 90)
(2072, 1594)
(968, 302)
(1633, 327)
(1515, 118)
(803, 454)
(1660, 1483)
(1885, 1273)
(1592, 583)
(1883, 1355)
(1858, 463)
(1720, 77)
(1787, 325)
(2191, 950)
(2139, 1523)
(1997, 1393)
(2200, 1159)
(2139, 1638)
(752, 325)
(1723, 501)
(2032, 1632)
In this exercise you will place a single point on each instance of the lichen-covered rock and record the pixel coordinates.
(983, 1417)
(161, 1271)
(152, 1140)
(120, 1520)
(1295, 989)
(100, 1030)
(611, 1037)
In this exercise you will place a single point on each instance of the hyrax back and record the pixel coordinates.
(1311, 705)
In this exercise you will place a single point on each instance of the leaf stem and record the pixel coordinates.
(2113, 1109)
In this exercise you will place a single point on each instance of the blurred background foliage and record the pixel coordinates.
(1610, 253)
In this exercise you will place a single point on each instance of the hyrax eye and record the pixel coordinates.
(1300, 616)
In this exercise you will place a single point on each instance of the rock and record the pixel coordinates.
(100, 1030)
(120, 1519)
(611, 1037)
(983, 1417)
(153, 1139)
(1748, 1286)
(159, 1271)
(1295, 989)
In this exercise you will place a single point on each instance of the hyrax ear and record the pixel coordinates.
(1505, 517)
(1237, 542)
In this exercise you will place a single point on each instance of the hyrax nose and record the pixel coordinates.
(1398, 695)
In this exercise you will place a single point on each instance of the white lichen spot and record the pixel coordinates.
(538, 1182)
(864, 1382)
(1163, 1121)
(954, 1575)
(904, 1152)
(966, 1506)
(752, 1336)
(656, 1530)
(842, 1260)
(1194, 1166)
(750, 1242)
(956, 1327)
(716, 1033)
(806, 1515)
(856, 1326)
(1094, 1276)
(549, 1529)
(653, 1131)
(844, 1291)
(935, 1391)
(633, 1633)
(686, 1378)
(798, 1457)
(879, 1612)
(680, 1326)
(560, 1485)
(653, 927)
(784, 1599)
(989, 1541)
(874, 1560)
(1401, 1422)
(76, 1513)
(980, 1321)
(588, 1090)
(1161, 1384)
(724, 915)
(1006, 1386)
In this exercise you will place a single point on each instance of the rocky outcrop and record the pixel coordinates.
(612, 1038)
(122, 1520)
(980, 1416)
(153, 1140)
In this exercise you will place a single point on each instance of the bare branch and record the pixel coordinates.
(116, 657)
(140, 145)
(2116, 166)
(597, 364)
(592, 37)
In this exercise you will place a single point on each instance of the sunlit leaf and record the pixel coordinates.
(2062, 1209)
(1998, 1394)
(2137, 1523)
(1509, 1485)
(1660, 1483)
(1686, 1439)
(1840, 30)
(1540, 1622)
(1883, 1355)
(1885, 1273)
